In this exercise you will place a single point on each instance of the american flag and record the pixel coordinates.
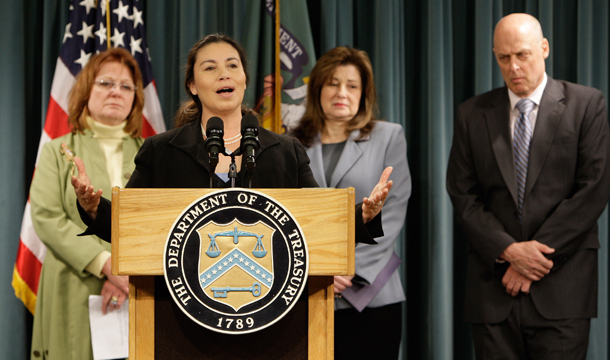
(93, 27)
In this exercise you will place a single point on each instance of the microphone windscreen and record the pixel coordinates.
(249, 121)
(214, 124)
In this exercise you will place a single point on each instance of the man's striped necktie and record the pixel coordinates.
(521, 145)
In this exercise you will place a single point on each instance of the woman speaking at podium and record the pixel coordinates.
(215, 80)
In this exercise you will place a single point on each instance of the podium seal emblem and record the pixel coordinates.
(235, 261)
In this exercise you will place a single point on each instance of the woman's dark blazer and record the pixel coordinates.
(178, 159)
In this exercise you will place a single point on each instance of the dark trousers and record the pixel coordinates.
(374, 333)
(526, 335)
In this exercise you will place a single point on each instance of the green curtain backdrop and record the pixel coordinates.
(428, 56)
(13, 315)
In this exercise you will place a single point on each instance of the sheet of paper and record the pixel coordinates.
(110, 332)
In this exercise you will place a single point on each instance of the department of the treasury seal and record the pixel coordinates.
(235, 261)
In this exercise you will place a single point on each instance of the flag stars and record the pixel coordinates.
(214, 272)
(101, 33)
(252, 267)
(258, 271)
(121, 11)
(67, 33)
(86, 32)
(103, 7)
(135, 46)
(225, 263)
(137, 18)
(219, 268)
(208, 276)
(117, 38)
(84, 58)
(89, 4)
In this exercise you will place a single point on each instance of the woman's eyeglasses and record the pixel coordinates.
(109, 85)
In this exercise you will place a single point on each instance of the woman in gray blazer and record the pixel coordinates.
(347, 147)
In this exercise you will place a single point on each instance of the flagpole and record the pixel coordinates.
(277, 104)
(108, 24)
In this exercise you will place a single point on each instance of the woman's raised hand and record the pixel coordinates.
(372, 205)
(88, 198)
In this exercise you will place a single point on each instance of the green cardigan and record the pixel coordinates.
(61, 322)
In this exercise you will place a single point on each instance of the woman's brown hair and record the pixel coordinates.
(190, 110)
(312, 122)
(81, 91)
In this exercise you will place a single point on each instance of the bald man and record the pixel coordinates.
(529, 176)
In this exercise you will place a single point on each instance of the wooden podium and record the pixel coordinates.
(142, 218)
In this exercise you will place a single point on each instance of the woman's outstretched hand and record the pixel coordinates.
(372, 205)
(88, 198)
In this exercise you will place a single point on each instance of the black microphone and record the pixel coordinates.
(214, 142)
(249, 140)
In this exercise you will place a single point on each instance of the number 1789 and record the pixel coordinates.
(238, 323)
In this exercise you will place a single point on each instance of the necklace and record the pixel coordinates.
(238, 136)
(233, 140)
(229, 141)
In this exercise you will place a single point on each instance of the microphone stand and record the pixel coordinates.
(232, 170)
(212, 172)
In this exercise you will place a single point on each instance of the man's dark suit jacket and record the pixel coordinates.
(177, 159)
(568, 184)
